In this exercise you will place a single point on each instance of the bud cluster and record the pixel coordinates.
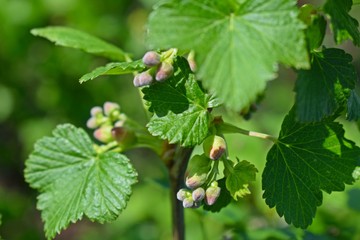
(107, 122)
(160, 67)
(194, 198)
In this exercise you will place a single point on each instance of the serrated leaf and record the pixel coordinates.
(343, 25)
(306, 160)
(353, 107)
(68, 37)
(74, 181)
(179, 106)
(239, 177)
(114, 68)
(223, 200)
(237, 44)
(320, 90)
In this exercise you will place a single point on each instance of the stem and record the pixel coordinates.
(177, 167)
(228, 128)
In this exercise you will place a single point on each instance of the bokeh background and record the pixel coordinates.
(39, 89)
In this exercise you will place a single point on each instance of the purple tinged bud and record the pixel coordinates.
(103, 134)
(188, 202)
(212, 194)
(214, 146)
(198, 194)
(96, 111)
(92, 123)
(110, 107)
(196, 180)
(151, 59)
(182, 194)
(143, 79)
(124, 137)
(164, 72)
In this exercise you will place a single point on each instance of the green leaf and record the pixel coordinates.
(353, 107)
(307, 159)
(237, 44)
(320, 90)
(114, 68)
(179, 106)
(223, 200)
(343, 25)
(239, 177)
(68, 37)
(74, 181)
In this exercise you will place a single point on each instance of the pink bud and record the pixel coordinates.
(214, 146)
(182, 194)
(188, 202)
(92, 123)
(195, 180)
(109, 107)
(103, 134)
(142, 79)
(164, 72)
(198, 194)
(212, 194)
(151, 58)
(96, 111)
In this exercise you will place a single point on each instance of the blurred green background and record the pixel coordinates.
(39, 89)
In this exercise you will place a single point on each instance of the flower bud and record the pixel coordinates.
(164, 72)
(103, 134)
(110, 107)
(92, 123)
(196, 180)
(188, 202)
(191, 61)
(198, 194)
(182, 194)
(212, 193)
(214, 146)
(125, 137)
(197, 170)
(151, 58)
(142, 79)
(96, 111)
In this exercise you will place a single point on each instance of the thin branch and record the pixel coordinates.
(177, 167)
(228, 128)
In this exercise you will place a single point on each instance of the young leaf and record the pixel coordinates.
(238, 180)
(74, 181)
(237, 44)
(306, 160)
(114, 68)
(343, 25)
(320, 90)
(68, 37)
(179, 106)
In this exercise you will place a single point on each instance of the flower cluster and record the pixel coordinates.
(160, 67)
(200, 181)
(193, 198)
(107, 121)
